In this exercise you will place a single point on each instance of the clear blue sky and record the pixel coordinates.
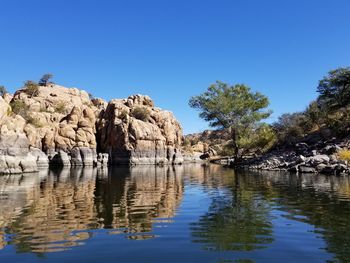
(173, 49)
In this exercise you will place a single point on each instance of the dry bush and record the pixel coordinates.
(140, 113)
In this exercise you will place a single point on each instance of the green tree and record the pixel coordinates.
(290, 128)
(314, 115)
(45, 79)
(235, 107)
(259, 139)
(3, 90)
(334, 89)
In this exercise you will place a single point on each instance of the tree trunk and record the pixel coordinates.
(234, 143)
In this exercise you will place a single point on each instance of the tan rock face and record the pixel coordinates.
(154, 139)
(4, 108)
(59, 118)
(60, 123)
(55, 121)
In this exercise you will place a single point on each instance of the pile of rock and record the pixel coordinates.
(304, 159)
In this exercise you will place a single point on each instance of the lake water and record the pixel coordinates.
(187, 213)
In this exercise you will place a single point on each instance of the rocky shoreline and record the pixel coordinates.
(59, 126)
(303, 158)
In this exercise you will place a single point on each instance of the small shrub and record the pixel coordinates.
(3, 90)
(20, 108)
(45, 79)
(140, 113)
(194, 141)
(344, 155)
(186, 142)
(35, 122)
(61, 107)
(31, 88)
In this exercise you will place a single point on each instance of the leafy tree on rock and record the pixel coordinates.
(45, 79)
(235, 107)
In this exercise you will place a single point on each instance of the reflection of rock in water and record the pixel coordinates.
(211, 177)
(329, 185)
(62, 202)
(135, 196)
(54, 210)
(16, 193)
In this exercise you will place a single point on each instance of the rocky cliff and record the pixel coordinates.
(133, 131)
(54, 125)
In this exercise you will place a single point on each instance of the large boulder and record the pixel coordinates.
(318, 159)
(133, 131)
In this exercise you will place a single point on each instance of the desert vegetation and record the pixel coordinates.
(140, 113)
(31, 88)
(240, 112)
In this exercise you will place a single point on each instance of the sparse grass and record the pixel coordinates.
(61, 107)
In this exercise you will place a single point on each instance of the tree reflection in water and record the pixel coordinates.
(242, 221)
(237, 220)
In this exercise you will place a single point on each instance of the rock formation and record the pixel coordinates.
(133, 131)
(206, 144)
(62, 126)
(303, 158)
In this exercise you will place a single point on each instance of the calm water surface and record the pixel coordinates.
(186, 213)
